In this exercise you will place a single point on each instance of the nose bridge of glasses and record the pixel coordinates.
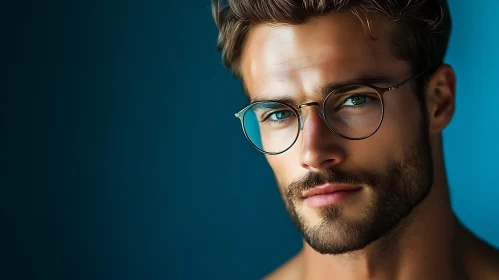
(303, 116)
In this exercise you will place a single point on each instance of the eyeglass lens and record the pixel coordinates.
(353, 112)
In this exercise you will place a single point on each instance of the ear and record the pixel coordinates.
(440, 98)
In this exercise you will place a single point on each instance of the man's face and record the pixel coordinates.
(387, 174)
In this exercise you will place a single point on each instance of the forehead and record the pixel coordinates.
(334, 46)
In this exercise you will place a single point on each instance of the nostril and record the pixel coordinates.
(327, 162)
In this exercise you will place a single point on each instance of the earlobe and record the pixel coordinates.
(440, 98)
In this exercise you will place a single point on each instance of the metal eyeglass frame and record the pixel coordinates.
(381, 91)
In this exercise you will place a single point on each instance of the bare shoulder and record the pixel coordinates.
(482, 259)
(487, 264)
(291, 270)
(492, 259)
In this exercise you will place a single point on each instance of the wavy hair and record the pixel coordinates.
(423, 26)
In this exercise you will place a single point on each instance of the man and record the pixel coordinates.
(348, 100)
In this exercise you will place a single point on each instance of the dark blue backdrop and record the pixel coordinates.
(120, 157)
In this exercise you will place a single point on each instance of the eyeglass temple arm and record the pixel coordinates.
(240, 113)
(409, 79)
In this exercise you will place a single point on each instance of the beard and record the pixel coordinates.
(394, 193)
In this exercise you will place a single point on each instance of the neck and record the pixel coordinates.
(424, 245)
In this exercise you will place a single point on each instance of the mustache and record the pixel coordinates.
(313, 179)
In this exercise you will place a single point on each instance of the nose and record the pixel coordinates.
(320, 146)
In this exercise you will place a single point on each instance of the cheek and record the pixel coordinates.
(398, 131)
(400, 127)
(286, 166)
(403, 116)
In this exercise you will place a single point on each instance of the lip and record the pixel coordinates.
(329, 189)
(329, 194)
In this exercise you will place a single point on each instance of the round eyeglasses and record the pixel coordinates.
(354, 112)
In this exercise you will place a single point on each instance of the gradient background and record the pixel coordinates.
(120, 156)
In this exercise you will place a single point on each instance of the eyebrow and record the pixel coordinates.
(375, 80)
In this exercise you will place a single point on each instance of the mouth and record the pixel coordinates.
(329, 194)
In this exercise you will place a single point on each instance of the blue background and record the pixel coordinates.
(120, 156)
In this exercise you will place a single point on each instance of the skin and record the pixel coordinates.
(295, 61)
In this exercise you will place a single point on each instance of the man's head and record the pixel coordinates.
(292, 50)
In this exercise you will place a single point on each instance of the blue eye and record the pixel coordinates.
(355, 100)
(279, 116)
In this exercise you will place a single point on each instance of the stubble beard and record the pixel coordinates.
(395, 193)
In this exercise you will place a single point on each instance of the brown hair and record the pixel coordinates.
(422, 37)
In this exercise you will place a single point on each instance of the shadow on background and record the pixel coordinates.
(121, 158)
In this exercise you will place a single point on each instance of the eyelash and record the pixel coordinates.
(267, 115)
